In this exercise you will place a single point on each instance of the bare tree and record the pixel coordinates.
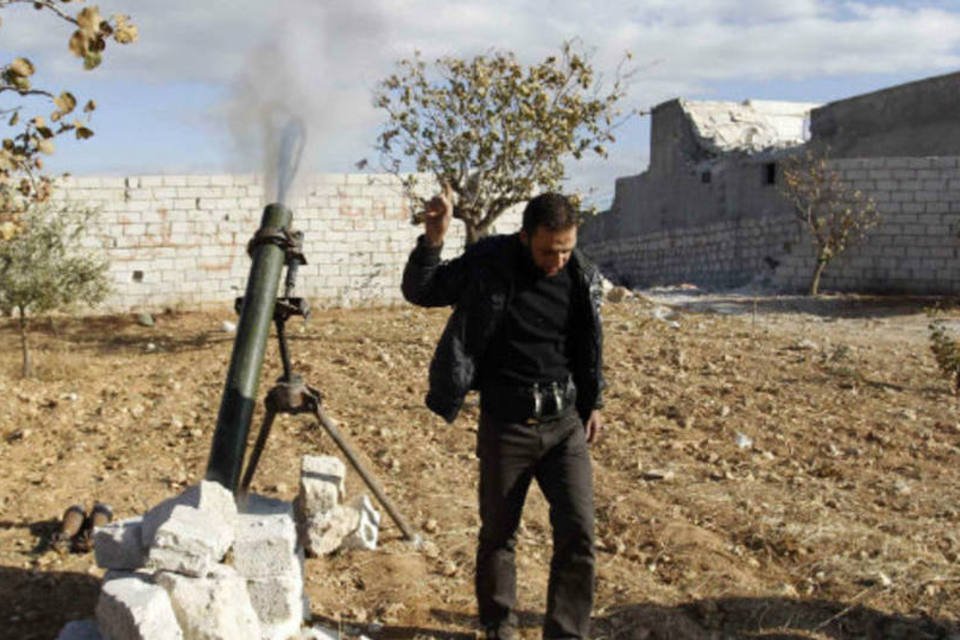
(835, 214)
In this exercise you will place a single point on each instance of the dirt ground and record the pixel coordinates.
(787, 471)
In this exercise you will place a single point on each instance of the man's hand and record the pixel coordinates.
(593, 427)
(437, 216)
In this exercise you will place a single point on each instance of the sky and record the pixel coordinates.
(192, 95)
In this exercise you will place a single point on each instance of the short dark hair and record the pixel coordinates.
(552, 211)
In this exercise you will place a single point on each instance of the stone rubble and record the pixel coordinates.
(130, 608)
(325, 524)
(119, 545)
(197, 567)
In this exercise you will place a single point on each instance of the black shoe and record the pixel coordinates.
(502, 631)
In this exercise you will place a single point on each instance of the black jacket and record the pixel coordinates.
(480, 285)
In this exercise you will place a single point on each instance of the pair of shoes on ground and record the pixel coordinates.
(76, 527)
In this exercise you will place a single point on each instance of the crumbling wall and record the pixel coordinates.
(917, 119)
(180, 241)
(915, 249)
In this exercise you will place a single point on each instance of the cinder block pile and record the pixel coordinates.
(197, 567)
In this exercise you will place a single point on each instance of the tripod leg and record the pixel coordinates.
(257, 450)
(368, 479)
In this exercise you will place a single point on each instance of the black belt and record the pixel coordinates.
(531, 404)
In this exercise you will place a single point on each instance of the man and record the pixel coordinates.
(526, 332)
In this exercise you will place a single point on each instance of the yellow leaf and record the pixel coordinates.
(14, 119)
(65, 102)
(22, 67)
(78, 44)
(125, 32)
(90, 106)
(89, 20)
(83, 133)
(45, 146)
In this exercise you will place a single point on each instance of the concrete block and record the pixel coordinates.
(80, 630)
(211, 497)
(266, 539)
(133, 609)
(119, 545)
(215, 607)
(190, 542)
(324, 533)
(321, 485)
(365, 535)
(278, 602)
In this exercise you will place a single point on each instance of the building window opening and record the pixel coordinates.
(138, 276)
(706, 177)
(770, 173)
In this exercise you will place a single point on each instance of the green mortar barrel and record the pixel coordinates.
(243, 377)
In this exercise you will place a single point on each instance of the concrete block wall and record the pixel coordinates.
(914, 249)
(180, 241)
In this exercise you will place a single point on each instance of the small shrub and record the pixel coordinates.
(946, 351)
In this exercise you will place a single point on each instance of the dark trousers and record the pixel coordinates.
(556, 454)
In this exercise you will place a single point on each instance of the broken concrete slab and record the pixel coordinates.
(207, 496)
(190, 542)
(278, 602)
(266, 539)
(80, 630)
(321, 485)
(215, 607)
(119, 545)
(324, 533)
(131, 608)
(365, 534)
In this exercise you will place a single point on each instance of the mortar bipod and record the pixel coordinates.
(290, 395)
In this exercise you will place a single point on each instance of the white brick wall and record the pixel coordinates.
(180, 241)
(915, 248)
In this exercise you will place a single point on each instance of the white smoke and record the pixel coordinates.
(293, 82)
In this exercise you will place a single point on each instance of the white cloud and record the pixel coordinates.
(327, 56)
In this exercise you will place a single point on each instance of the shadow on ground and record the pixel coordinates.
(36, 604)
(721, 619)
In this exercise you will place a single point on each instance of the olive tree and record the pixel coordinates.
(493, 129)
(34, 122)
(835, 215)
(45, 267)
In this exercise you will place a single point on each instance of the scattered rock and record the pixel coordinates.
(804, 344)
(657, 474)
(228, 327)
(908, 414)
(145, 320)
(618, 294)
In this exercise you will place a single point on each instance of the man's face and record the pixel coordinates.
(550, 250)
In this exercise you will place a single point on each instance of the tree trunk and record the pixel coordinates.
(473, 233)
(26, 370)
(817, 272)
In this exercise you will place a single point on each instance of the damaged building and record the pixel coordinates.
(709, 211)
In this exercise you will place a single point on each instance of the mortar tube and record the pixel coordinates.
(246, 362)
